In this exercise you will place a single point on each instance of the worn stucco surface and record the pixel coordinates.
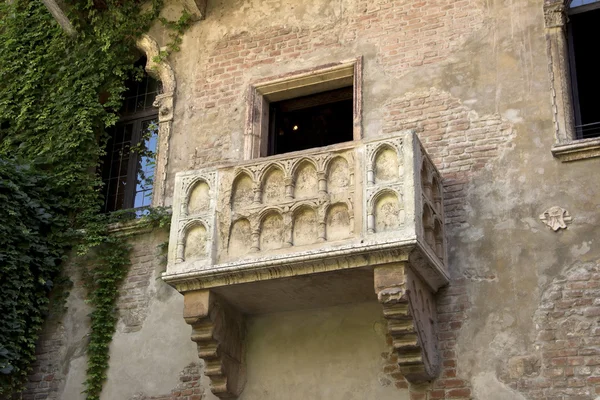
(332, 353)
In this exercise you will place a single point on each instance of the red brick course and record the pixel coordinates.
(566, 350)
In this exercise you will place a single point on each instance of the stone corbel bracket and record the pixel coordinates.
(219, 330)
(409, 308)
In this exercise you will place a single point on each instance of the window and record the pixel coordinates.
(584, 16)
(127, 169)
(312, 108)
(311, 121)
(573, 76)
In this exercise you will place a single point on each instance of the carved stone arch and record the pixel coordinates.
(273, 188)
(271, 167)
(385, 191)
(245, 172)
(385, 163)
(339, 179)
(183, 245)
(298, 163)
(303, 182)
(161, 71)
(242, 196)
(269, 210)
(165, 101)
(271, 229)
(304, 224)
(191, 188)
(327, 163)
(391, 206)
(339, 221)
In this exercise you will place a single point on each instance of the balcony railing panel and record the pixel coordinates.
(304, 208)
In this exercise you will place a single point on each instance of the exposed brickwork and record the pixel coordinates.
(189, 387)
(458, 140)
(405, 35)
(47, 374)
(414, 33)
(452, 307)
(46, 377)
(567, 363)
(136, 291)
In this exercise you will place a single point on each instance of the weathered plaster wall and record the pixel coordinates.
(519, 318)
(331, 353)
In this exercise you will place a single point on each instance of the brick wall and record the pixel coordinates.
(404, 35)
(459, 141)
(136, 291)
(189, 387)
(565, 358)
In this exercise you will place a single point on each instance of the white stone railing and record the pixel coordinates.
(233, 221)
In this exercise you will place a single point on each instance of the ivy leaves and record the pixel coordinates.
(58, 93)
(33, 237)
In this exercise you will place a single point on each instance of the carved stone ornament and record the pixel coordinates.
(331, 215)
(218, 329)
(556, 218)
(555, 15)
(409, 308)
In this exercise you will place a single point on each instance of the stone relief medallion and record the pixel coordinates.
(556, 218)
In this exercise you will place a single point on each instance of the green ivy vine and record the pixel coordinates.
(58, 94)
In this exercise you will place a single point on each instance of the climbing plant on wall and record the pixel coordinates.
(58, 94)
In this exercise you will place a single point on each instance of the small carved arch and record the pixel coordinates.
(335, 157)
(305, 178)
(269, 169)
(387, 210)
(428, 226)
(426, 178)
(269, 210)
(271, 229)
(202, 199)
(339, 172)
(386, 163)
(338, 221)
(304, 225)
(383, 192)
(240, 237)
(300, 162)
(195, 240)
(272, 183)
(242, 190)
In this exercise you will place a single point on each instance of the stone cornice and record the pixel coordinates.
(345, 257)
(577, 150)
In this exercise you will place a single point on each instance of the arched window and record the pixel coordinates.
(127, 169)
(582, 31)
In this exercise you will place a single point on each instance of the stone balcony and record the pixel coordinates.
(352, 222)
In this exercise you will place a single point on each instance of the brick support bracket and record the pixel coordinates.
(219, 330)
(409, 308)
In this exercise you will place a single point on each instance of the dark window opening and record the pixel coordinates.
(584, 15)
(311, 121)
(127, 168)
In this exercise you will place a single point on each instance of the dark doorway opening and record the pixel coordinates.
(311, 121)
